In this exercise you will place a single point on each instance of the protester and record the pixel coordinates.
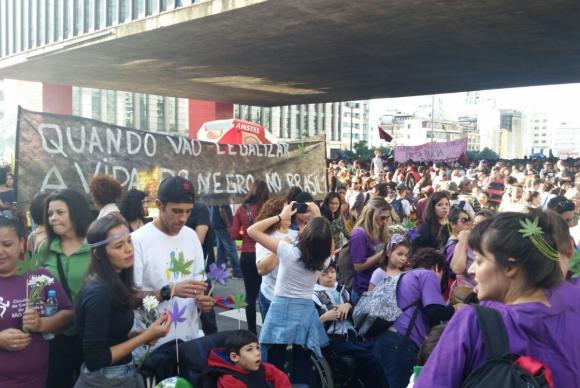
(239, 364)
(419, 296)
(267, 262)
(132, 208)
(221, 218)
(394, 260)
(517, 269)
(66, 255)
(292, 318)
(23, 351)
(330, 209)
(169, 261)
(367, 242)
(333, 305)
(105, 191)
(104, 309)
(434, 230)
(245, 216)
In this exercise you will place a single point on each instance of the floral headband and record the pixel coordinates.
(109, 239)
(395, 240)
(531, 229)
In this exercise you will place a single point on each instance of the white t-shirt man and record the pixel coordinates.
(154, 252)
(294, 280)
(269, 280)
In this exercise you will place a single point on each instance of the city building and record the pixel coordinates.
(468, 125)
(294, 122)
(511, 134)
(133, 110)
(566, 141)
(538, 139)
(411, 130)
(488, 124)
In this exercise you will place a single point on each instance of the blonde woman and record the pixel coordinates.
(367, 240)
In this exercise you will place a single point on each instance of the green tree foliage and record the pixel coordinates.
(486, 153)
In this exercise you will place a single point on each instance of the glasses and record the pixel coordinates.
(465, 220)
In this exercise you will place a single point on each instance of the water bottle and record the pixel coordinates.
(50, 308)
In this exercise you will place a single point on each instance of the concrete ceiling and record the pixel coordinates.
(302, 51)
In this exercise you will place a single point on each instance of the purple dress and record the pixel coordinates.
(549, 334)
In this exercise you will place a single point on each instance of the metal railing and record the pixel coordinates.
(28, 24)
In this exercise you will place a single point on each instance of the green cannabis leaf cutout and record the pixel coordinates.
(180, 265)
(530, 228)
(239, 300)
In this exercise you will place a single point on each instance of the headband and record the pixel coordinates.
(394, 240)
(531, 230)
(110, 239)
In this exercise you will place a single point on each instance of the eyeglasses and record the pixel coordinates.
(465, 220)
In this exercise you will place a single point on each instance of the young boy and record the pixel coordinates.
(333, 304)
(239, 364)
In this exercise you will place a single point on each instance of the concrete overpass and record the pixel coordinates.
(274, 52)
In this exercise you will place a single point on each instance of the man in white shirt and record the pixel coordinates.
(169, 261)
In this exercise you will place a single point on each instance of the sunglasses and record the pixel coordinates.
(465, 220)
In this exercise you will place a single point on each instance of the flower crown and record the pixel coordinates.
(531, 229)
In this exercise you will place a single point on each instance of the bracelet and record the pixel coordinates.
(279, 218)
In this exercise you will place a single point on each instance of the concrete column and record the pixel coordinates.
(201, 111)
(57, 99)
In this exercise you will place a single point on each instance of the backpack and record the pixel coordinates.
(503, 369)
(345, 267)
(377, 310)
(397, 206)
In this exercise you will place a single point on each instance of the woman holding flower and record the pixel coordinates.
(104, 309)
(23, 351)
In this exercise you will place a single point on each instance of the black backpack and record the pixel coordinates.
(503, 369)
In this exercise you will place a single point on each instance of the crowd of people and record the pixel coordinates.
(387, 277)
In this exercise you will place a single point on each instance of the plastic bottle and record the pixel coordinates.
(50, 308)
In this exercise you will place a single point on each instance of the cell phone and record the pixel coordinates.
(300, 207)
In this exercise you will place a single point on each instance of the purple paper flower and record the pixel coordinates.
(219, 274)
(177, 314)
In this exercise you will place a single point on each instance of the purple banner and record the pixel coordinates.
(431, 152)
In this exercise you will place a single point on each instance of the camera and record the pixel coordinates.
(300, 207)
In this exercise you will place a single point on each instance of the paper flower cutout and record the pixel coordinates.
(408, 224)
(218, 273)
(179, 265)
(412, 233)
(530, 228)
(239, 300)
(177, 314)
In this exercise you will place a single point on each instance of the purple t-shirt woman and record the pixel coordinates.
(361, 248)
(548, 333)
(28, 367)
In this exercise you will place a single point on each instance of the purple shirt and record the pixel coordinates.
(361, 248)
(549, 334)
(28, 367)
(417, 284)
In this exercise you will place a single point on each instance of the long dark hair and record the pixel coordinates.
(315, 243)
(258, 194)
(430, 219)
(326, 204)
(121, 284)
(501, 236)
(78, 210)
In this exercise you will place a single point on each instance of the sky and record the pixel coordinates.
(561, 102)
